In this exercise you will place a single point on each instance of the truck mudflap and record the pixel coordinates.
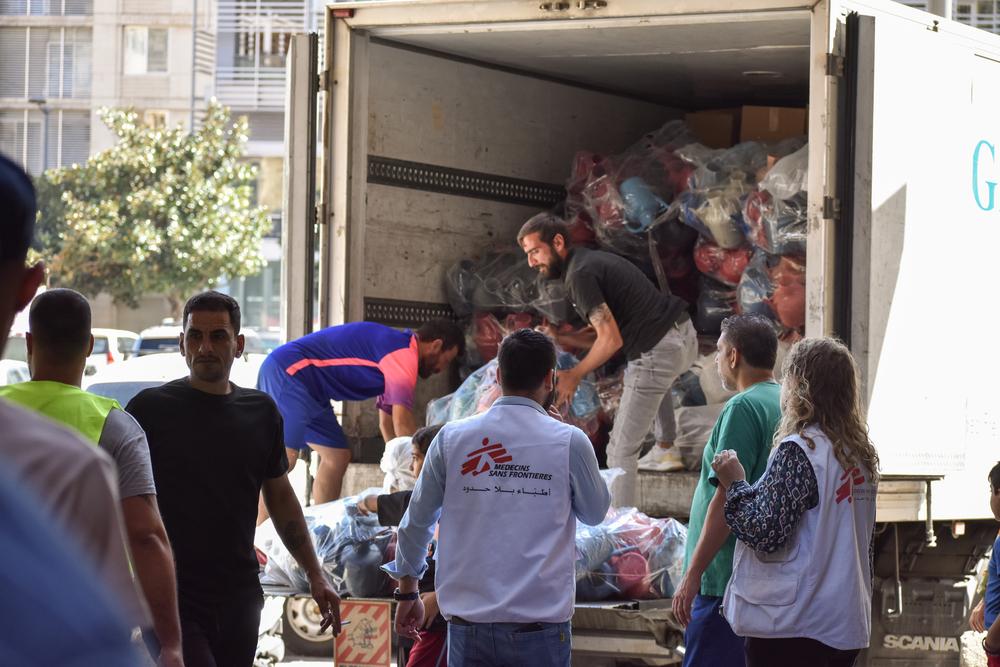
(644, 630)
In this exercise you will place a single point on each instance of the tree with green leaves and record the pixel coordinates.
(162, 211)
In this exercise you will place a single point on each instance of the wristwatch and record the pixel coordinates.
(404, 597)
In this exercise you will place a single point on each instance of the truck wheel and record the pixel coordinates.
(300, 629)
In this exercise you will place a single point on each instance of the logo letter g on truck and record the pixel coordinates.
(990, 185)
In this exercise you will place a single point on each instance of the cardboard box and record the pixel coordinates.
(770, 124)
(718, 128)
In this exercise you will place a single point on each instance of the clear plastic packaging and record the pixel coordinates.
(622, 196)
(686, 391)
(716, 302)
(725, 266)
(438, 410)
(774, 286)
(397, 464)
(777, 226)
(479, 391)
(629, 556)
(351, 548)
(789, 175)
(504, 283)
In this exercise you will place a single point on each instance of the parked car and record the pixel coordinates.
(13, 371)
(111, 345)
(165, 338)
(123, 381)
(154, 340)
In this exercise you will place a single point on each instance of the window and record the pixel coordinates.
(21, 138)
(45, 62)
(155, 119)
(145, 50)
(100, 345)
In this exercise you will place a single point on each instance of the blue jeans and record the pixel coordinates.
(501, 645)
(708, 639)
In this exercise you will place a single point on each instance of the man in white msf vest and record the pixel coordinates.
(506, 487)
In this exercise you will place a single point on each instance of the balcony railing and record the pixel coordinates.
(251, 88)
(261, 15)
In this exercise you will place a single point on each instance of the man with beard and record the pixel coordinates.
(746, 354)
(508, 486)
(626, 312)
(215, 447)
(352, 362)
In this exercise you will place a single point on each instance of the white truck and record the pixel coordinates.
(447, 123)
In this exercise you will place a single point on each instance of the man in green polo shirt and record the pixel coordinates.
(59, 342)
(747, 350)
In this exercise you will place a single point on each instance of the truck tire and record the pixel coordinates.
(300, 629)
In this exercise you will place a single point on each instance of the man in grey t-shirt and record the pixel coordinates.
(59, 342)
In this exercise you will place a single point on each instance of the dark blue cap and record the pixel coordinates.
(17, 211)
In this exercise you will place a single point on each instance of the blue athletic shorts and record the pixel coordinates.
(307, 420)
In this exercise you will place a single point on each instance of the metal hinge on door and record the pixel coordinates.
(554, 6)
(323, 80)
(831, 208)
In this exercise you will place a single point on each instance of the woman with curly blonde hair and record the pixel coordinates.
(802, 572)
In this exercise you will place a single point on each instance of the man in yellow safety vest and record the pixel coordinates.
(59, 342)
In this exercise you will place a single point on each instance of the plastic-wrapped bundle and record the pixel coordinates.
(789, 175)
(351, 548)
(686, 391)
(777, 226)
(721, 167)
(789, 298)
(721, 179)
(487, 334)
(397, 464)
(438, 410)
(725, 266)
(774, 287)
(499, 282)
(621, 196)
(775, 215)
(481, 389)
(503, 282)
(586, 403)
(717, 214)
(628, 556)
(666, 562)
(716, 302)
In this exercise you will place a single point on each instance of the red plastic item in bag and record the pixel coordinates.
(487, 336)
(726, 266)
(632, 571)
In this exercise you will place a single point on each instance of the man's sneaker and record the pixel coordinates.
(663, 459)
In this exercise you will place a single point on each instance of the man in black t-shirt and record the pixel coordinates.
(626, 312)
(214, 448)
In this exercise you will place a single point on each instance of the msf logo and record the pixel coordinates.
(478, 462)
(850, 479)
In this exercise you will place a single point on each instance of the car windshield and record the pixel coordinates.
(154, 345)
(122, 391)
